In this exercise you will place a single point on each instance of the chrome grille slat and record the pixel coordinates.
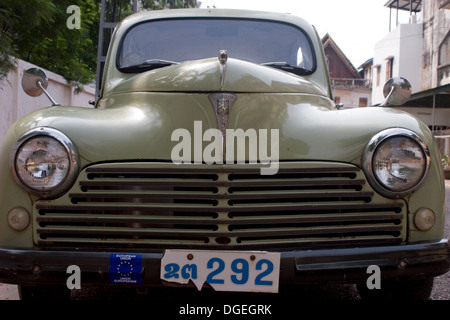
(255, 232)
(204, 195)
(201, 206)
(183, 207)
(200, 243)
(231, 184)
(256, 220)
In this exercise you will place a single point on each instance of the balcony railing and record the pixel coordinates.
(351, 83)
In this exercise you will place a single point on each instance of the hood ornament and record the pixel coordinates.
(223, 57)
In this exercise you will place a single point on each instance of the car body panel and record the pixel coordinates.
(151, 118)
(204, 76)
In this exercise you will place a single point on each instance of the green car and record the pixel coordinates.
(215, 157)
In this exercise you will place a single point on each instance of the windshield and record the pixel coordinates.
(164, 42)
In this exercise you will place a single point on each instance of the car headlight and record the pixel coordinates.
(396, 162)
(44, 162)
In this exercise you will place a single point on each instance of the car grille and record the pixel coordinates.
(207, 206)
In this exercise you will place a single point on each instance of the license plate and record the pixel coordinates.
(245, 271)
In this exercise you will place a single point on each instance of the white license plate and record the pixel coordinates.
(249, 271)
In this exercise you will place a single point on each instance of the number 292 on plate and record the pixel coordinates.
(246, 271)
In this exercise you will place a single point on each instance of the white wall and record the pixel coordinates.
(15, 103)
(350, 97)
(404, 45)
(411, 55)
(437, 117)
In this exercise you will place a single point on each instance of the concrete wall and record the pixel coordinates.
(15, 103)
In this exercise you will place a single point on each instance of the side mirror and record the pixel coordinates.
(35, 82)
(396, 91)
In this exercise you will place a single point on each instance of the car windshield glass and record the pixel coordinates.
(167, 42)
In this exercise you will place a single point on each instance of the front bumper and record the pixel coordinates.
(44, 267)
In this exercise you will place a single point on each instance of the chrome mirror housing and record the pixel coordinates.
(396, 91)
(31, 80)
(35, 82)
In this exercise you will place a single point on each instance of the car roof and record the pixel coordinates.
(215, 13)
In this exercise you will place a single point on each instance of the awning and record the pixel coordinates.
(407, 5)
(433, 99)
(437, 97)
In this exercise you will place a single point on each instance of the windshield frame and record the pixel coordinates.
(313, 56)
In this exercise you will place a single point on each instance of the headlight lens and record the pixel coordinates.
(44, 161)
(397, 161)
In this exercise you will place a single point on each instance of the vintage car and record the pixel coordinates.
(215, 157)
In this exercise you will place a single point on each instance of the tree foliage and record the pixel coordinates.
(36, 31)
(13, 14)
(168, 4)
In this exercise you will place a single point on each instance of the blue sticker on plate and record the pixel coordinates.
(125, 268)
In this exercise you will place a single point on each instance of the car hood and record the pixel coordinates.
(147, 126)
(209, 75)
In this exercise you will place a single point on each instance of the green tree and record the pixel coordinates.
(46, 40)
(37, 31)
(12, 27)
(168, 4)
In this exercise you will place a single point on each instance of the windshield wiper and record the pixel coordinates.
(147, 65)
(287, 67)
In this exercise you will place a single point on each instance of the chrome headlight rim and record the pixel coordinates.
(73, 159)
(371, 148)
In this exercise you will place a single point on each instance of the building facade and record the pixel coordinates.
(398, 54)
(350, 88)
(436, 44)
(420, 52)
